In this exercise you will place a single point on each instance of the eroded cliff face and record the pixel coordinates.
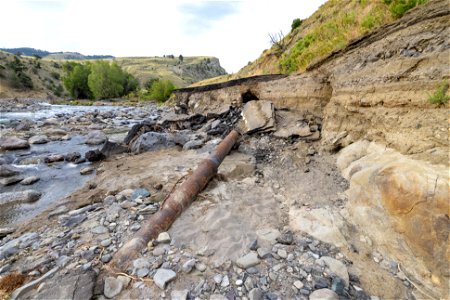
(381, 86)
(377, 90)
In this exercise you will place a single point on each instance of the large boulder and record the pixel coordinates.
(26, 196)
(13, 143)
(94, 155)
(96, 137)
(38, 139)
(7, 171)
(153, 141)
(408, 200)
(258, 116)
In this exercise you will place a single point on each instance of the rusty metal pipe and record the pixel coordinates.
(174, 205)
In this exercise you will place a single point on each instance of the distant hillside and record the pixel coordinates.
(74, 56)
(329, 29)
(181, 72)
(52, 55)
(26, 51)
(32, 76)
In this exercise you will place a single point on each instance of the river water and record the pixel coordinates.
(60, 179)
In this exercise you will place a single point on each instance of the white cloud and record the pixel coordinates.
(235, 33)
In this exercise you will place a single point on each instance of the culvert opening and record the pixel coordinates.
(248, 96)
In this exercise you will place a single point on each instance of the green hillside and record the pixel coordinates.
(33, 76)
(329, 29)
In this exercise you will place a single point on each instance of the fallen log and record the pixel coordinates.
(174, 205)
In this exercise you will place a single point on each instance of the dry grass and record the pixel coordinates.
(11, 281)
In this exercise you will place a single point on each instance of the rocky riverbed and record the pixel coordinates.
(238, 240)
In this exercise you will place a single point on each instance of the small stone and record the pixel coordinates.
(86, 170)
(135, 227)
(143, 193)
(286, 238)
(112, 287)
(225, 281)
(248, 260)
(278, 267)
(99, 229)
(252, 270)
(255, 294)
(163, 237)
(273, 276)
(142, 272)
(217, 297)
(253, 245)
(127, 204)
(200, 267)
(141, 263)
(282, 253)
(163, 276)
(263, 253)
(338, 285)
(86, 266)
(159, 251)
(179, 295)
(217, 278)
(30, 180)
(109, 200)
(62, 261)
(105, 243)
(187, 266)
(239, 282)
(72, 157)
(298, 284)
(337, 267)
(323, 294)
(304, 291)
(106, 258)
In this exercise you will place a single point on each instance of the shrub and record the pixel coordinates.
(148, 84)
(16, 65)
(295, 24)
(21, 80)
(160, 90)
(399, 7)
(55, 75)
(58, 90)
(440, 95)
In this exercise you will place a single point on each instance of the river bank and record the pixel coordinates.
(239, 240)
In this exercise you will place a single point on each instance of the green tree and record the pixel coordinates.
(76, 80)
(105, 80)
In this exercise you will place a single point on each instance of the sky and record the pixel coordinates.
(234, 31)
